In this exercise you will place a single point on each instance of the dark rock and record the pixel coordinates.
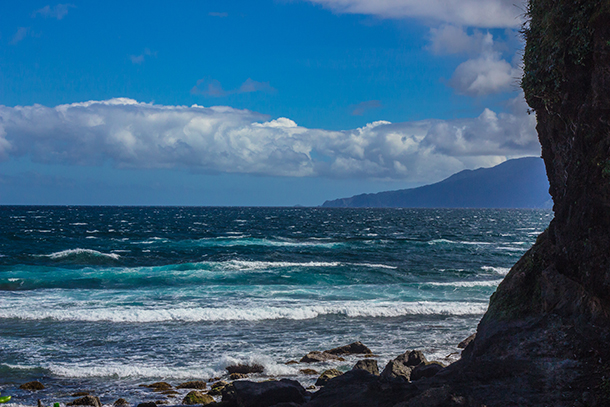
(327, 375)
(264, 394)
(195, 384)
(32, 386)
(147, 404)
(246, 369)
(86, 401)
(170, 393)
(426, 370)
(403, 365)
(217, 388)
(369, 365)
(351, 349)
(317, 356)
(159, 386)
(80, 394)
(237, 376)
(309, 371)
(466, 341)
(292, 362)
(197, 397)
(120, 402)
(158, 402)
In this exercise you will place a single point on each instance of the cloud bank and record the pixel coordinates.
(130, 134)
(471, 13)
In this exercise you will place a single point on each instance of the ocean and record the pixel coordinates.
(108, 298)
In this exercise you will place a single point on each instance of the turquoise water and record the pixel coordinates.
(107, 298)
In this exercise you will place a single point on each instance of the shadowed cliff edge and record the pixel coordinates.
(544, 339)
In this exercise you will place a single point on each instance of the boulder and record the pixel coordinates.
(370, 365)
(327, 375)
(264, 394)
(404, 364)
(317, 356)
(195, 384)
(86, 401)
(465, 342)
(159, 386)
(120, 403)
(197, 397)
(237, 376)
(426, 370)
(32, 386)
(351, 349)
(245, 368)
(217, 388)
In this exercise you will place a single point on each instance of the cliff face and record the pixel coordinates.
(546, 333)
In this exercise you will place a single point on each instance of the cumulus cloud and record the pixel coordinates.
(471, 13)
(59, 11)
(487, 73)
(450, 39)
(213, 88)
(129, 134)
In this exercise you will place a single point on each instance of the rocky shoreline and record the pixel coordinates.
(364, 383)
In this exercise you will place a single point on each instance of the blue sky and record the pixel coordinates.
(253, 103)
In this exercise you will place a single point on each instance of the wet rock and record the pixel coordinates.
(158, 402)
(32, 386)
(80, 394)
(244, 368)
(147, 404)
(264, 394)
(309, 371)
(170, 393)
(404, 364)
(217, 388)
(465, 342)
(426, 370)
(292, 362)
(317, 356)
(327, 375)
(195, 384)
(159, 386)
(351, 349)
(120, 403)
(197, 397)
(369, 365)
(213, 379)
(86, 401)
(237, 376)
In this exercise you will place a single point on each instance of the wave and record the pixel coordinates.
(81, 254)
(351, 309)
(447, 241)
(488, 283)
(500, 270)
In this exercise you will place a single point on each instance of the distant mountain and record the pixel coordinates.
(518, 183)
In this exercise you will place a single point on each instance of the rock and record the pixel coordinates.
(292, 362)
(466, 341)
(217, 388)
(327, 375)
(157, 402)
(317, 356)
(120, 402)
(195, 384)
(351, 349)
(80, 394)
(311, 387)
(426, 370)
(265, 394)
(309, 371)
(213, 379)
(403, 365)
(237, 376)
(170, 393)
(197, 397)
(86, 401)
(32, 386)
(244, 368)
(147, 404)
(369, 365)
(159, 386)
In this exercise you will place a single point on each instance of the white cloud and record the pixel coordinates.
(471, 13)
(450, 39)
(58, 12)
(213, 88)
(139, 59)
(129, 134)
(20, 35)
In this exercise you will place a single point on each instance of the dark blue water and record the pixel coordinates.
(107, 298)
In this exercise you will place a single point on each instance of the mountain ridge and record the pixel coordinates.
(516, 183)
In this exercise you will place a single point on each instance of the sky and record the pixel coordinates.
(254, 103)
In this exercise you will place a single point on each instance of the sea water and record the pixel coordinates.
(107, 298)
